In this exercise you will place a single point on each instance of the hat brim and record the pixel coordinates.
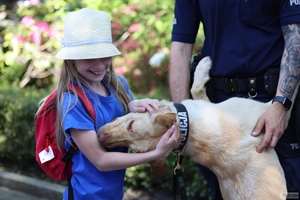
(88, 51)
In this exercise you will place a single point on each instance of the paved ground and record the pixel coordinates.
(7, 194)
(19, 187)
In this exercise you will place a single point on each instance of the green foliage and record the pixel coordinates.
(141, 177)
(16, 124)
(32, 33)
(17, 129)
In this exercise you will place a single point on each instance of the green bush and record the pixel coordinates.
(16, 124)
(17, 146)
(17, 133)
(141, 177)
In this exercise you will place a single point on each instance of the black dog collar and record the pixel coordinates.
(183, 126)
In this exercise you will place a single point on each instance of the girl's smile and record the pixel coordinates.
(93, 70)
(96, 73)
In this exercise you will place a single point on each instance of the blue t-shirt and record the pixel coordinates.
(87, 181)
(243, 37)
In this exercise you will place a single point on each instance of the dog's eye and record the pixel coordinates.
(130, 125)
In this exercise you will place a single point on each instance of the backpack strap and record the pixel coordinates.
(67, 159)
(86, 103)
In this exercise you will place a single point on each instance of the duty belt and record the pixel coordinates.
(268, 82)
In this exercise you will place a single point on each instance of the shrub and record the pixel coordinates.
(16, 124)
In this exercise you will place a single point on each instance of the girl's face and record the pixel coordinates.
(93, 70)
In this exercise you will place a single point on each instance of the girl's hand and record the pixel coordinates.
(169, 140)
(143, 105)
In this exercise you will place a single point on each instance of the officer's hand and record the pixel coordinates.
(273, 120)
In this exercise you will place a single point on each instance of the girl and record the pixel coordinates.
(98, 173)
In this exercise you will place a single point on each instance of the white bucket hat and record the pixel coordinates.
(87, 35)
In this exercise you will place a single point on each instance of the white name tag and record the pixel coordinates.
(46, 156)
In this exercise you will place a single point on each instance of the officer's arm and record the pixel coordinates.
(290, 63)
(179, 75)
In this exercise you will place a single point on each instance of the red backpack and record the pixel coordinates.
(56, 164)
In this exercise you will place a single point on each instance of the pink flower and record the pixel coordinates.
(129, 9)
(34, 2)
(153, 88)
(53, 33)
(130, 45)
(126, 10)
(42, 26)
(120, 70)
(36, 37)
(27, 21)
(134, 28)
(18, 39)
(134, 8)
(116, 27)
(158, 71)
(150, 35)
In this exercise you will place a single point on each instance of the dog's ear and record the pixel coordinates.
(167, 119)
(159, 167)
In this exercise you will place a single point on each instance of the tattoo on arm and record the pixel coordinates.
(290, 64)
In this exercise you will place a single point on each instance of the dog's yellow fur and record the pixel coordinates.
(219, 138)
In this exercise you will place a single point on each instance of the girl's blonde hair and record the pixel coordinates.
(68, 75)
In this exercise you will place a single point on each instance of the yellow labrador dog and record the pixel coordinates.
(219, 138)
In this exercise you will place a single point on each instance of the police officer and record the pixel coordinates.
(255, 51)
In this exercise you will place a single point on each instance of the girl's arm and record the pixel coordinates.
(87, 142)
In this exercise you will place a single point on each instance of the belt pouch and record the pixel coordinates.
(271, 80)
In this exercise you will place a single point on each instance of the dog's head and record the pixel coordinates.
(139, 131)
